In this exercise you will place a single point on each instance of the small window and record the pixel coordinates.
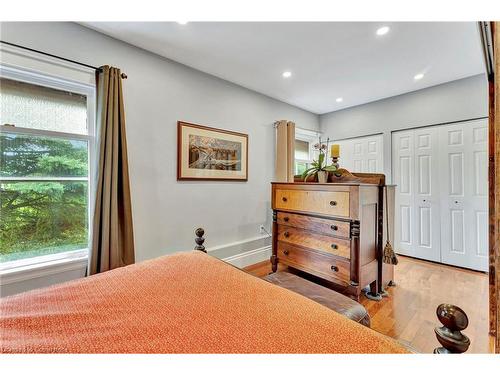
(302, 156)
(301, 150)
(46, 140)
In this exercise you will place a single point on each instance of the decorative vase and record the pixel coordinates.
(322, 177)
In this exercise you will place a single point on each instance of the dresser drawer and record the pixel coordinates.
(313, 261)
(311, 240)
(326, 226)
(335, 203)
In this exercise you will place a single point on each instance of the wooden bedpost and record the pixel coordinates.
(454, 320)
(200, 239)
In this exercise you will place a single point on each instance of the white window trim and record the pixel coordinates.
(26, 61)
(44, 265)
(23, 269)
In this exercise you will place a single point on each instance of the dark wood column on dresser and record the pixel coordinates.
(329, 231)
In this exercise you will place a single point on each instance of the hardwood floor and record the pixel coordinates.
(409, 312)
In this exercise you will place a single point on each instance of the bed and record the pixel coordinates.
(187, 302)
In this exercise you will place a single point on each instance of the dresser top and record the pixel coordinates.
(325, 184)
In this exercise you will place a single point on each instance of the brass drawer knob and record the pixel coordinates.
(333, 203)
(286, 252)
(284, 199)
(335, 269)
(334, 227)
(286, 219)
(335, 246)
(286, 234)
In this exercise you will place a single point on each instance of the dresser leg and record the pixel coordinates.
(373, 294)
(274, 263)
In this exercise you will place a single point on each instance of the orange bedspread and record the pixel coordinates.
(181, 303)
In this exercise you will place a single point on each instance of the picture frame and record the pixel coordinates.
(207, 153)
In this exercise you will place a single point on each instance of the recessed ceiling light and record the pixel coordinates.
(182, 22)
(339, 100)
(418, 76)
(287, 74)
(383, 30)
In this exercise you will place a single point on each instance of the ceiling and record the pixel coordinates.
(328, 60)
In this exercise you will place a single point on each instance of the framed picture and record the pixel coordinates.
(205, 153)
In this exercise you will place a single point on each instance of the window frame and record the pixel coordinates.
(36, 78)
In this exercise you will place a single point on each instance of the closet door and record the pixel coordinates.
(426, 197)
(416, 174)
(374, 154)
(464, 194)
(403, 172)
(358, 155)
(362, 154)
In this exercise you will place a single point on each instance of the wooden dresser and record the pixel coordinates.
(329, 231)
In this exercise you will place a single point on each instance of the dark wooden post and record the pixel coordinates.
(454, 320)
(274, 256)
(354, 233)
(199, 239)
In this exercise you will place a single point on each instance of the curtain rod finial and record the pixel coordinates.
(124, 76)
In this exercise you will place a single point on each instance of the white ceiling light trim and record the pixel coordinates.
(287, 74)
(383, 30)
(339, 100)
(418, 76)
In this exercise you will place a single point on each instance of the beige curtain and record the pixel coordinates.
(112, 232)
(285, 151)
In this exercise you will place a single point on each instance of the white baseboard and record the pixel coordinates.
(250, 257)
(244, 253)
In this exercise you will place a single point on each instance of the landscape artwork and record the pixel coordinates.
(206, 153)
(214, 153)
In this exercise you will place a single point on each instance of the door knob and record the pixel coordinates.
(286, 234)
(335, 246)
(286, 219)
(333, 203)
(334, 227)
(286, 252)
(284, 199)
(334, 268)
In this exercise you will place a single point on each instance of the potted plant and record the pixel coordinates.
(319, 167)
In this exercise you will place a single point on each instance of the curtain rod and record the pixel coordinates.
(123, 75)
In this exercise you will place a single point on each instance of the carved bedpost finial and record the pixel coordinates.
(454, 320)
(199, 239)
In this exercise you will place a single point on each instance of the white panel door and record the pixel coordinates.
(403, 175)
(426, 194)
(441, 174)
(362, 154)
(464, 194)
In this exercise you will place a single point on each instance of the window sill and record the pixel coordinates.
(25, 269)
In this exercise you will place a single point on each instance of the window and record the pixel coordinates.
(302, 157)
(304, 142)
(46, 154)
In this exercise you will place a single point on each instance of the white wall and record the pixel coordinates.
(158, 92)
(453, 101)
